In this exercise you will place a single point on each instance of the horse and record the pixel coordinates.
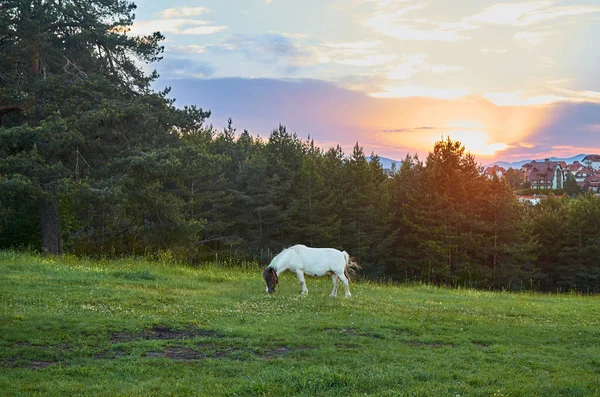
(314, 262)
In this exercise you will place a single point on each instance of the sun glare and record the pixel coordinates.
(477, 142)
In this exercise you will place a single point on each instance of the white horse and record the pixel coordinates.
(312, 261)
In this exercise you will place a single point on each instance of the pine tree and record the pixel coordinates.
(59, 59)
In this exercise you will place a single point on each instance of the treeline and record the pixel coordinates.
(201, 194)
(93, 162)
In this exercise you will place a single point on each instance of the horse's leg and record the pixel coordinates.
(345, 282)
(300, 275)
(334, 277)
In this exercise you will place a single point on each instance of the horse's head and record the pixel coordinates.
(270, 277)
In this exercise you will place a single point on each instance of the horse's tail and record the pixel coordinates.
(351, 265)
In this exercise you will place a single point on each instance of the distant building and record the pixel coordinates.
(525, 169)
(592, 161)
(494, 170)
(574, 168)
(563, 165)
(594, 182)
(583, 174)
(544, 174)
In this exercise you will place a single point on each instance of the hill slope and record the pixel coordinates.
(519, 164)
(83, 327)
(386, 163)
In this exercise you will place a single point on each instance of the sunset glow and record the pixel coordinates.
(393, 75)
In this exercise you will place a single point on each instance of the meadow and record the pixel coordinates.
(131, 327)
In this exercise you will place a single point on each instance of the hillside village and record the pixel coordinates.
(553, 174)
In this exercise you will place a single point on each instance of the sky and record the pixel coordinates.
(511, 80)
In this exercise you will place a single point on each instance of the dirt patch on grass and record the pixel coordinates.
(177, 353)
(61, 347)
(30, 364)
(40, 364)
(192, 351)
(163, 333)
(61, 350)
(190, 354)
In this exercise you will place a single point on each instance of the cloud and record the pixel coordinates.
(416, 22)
(177, 21)
(187, 49)
(359, 53)
(520, 98)
(175, 26)
(271, 47)
(558, 12)
(592, 127)
(202, 30)
(177, 68)
(440, 69)
(367, 60)
(559, 81)
(295, 51)
(171, 13)
(409, 90)
(508, 13)
(579, 96)
(572, 120)
(526, 145)
(527, 13)
(493, 51)
(390, 18)
(290, 35)
(409, 129)
(291, 54)
(362, 83)
(415, 63)
(529, 39)
(410, 33)
(535, 98)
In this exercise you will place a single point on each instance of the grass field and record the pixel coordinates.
(130, 327)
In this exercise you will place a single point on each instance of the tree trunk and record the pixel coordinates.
(50, 221)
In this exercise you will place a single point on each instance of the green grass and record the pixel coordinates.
(84, 327)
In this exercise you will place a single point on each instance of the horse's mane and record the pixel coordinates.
(286, 249)
(277, 257)
(280, 253)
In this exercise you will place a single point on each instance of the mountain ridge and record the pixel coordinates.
(519, 164)
(386, 162)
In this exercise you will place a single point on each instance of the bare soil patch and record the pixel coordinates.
(30, 364)
(163, 333)
(190, 354)
(178, 353)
